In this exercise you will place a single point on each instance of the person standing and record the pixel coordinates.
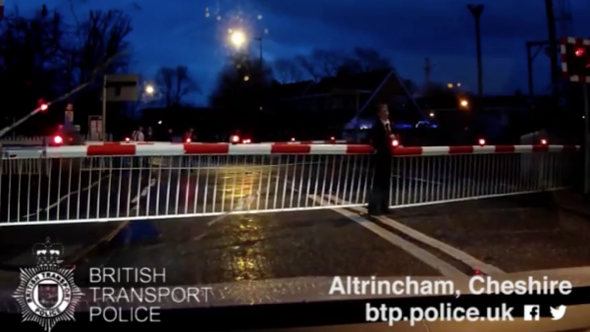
(381, 140)
(138, 135)
(149, 136)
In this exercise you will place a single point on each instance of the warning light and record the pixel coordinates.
(395, 142)
(332, 138)
(42, 105)
(481, 142)
(544, 142)
(292, 139)
(127, 139)
(247, 141)
(58, 140)
(235, 139)
(580, 51)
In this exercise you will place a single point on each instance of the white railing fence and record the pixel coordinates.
(118, 182)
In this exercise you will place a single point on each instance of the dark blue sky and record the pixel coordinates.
(194, 33)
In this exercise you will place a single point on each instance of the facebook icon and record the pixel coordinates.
(531, 312)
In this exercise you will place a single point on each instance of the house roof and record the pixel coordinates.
(292, 90)
(364, 81)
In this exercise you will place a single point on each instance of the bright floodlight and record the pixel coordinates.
(464, 103)
(238, 38)
(149, 89)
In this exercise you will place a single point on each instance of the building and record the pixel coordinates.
(342, 103)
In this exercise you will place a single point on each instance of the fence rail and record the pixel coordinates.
(113, 182)
(8, 141)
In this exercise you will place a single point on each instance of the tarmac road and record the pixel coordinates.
(521, 233)
(123, 188)
(502, 235)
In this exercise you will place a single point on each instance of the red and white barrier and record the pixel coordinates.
(155, 149)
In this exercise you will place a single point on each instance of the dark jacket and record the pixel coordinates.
(380, 139)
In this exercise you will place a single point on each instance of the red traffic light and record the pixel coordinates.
(580, 51)
(42, 105)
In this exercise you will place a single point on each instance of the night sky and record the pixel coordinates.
(195, 33)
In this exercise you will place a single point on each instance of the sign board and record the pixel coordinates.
(575, 59)
(95, 128)
(70, 112)
(122, 87)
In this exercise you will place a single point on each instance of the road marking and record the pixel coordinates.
(418, 179)
(84, 251)
(444, 268)
(64, 197)
(457, 254)
(143, 192)
(242, 204)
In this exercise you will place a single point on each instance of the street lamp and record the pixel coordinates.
(238, 38)
(464, 103)
(149, 89)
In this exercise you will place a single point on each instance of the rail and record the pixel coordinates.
(111, 182)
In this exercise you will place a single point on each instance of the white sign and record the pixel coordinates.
(122, 87)
(95, 128)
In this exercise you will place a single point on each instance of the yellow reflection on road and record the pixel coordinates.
(249, 261)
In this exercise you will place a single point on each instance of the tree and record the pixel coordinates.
(175, 84)
(240, 94)
(43, 57)
(328, 63)
(287, 71)
(321, 63)
(363, 60)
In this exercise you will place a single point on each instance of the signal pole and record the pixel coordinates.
(476, 11)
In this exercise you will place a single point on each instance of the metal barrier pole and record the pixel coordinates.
(586, 141)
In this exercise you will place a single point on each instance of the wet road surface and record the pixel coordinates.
(519, 233)
(523, 233)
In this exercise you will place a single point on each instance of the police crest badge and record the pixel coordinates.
(47, 293)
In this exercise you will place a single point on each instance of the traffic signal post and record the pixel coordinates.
(575, 66)
(117, 88)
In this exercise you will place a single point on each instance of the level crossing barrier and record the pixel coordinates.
(112, 182)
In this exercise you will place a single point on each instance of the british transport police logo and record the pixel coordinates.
(47, 293)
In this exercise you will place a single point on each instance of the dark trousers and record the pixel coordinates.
(379, 196)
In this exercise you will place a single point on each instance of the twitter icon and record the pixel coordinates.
(557, 313)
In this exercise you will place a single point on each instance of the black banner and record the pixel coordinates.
(269, 316)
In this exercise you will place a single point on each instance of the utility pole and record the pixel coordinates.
(259, 40)
(476, 11)
(427, 73)
(551, 29)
